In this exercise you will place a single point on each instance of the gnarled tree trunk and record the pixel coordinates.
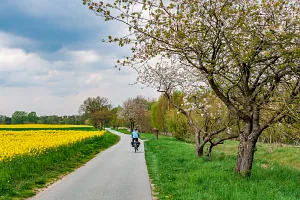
(247, 146)
(245, 157)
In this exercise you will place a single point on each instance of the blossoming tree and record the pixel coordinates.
(135, 110)
(247, 52)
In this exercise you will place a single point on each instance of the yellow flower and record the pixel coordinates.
(13, 143)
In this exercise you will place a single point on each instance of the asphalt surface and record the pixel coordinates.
(115, 174)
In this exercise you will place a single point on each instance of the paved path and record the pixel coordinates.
(115, 174)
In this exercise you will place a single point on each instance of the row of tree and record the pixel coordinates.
(22, 117)
(135, 112)
(214, 120)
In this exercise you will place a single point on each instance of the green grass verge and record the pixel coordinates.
(125, 131)
(21, 176)
(178, 174)
(268, 154)
(35, 129)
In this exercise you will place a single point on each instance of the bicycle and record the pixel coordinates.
(136, 145)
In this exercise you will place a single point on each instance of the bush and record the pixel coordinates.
(177, 124)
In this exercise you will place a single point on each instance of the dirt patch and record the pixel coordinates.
(154, 194)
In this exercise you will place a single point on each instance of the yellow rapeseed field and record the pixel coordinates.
(14, 143)
(41, 126)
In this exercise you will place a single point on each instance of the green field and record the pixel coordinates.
(178, 174)
(23, 174)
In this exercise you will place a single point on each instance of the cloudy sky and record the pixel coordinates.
(52, 58)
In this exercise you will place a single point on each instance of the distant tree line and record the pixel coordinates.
(5, 120)
(22, 117)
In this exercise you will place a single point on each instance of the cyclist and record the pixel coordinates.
(135, 136)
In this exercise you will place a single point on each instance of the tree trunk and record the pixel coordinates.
(244, 161)
(246, 148)
(95, 125)
(209, 150)
(199, 147)
(156, 134)
(131, 126)
(199, 151)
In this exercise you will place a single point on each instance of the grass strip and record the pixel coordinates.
(178, 174)
(125, 131)
(22, 175)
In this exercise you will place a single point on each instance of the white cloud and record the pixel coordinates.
(12, 59)
(93, 78)
(31, 82)
(10, 40)
(86, 56)
(83, 60)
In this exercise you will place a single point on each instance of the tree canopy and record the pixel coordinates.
(96, 109)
